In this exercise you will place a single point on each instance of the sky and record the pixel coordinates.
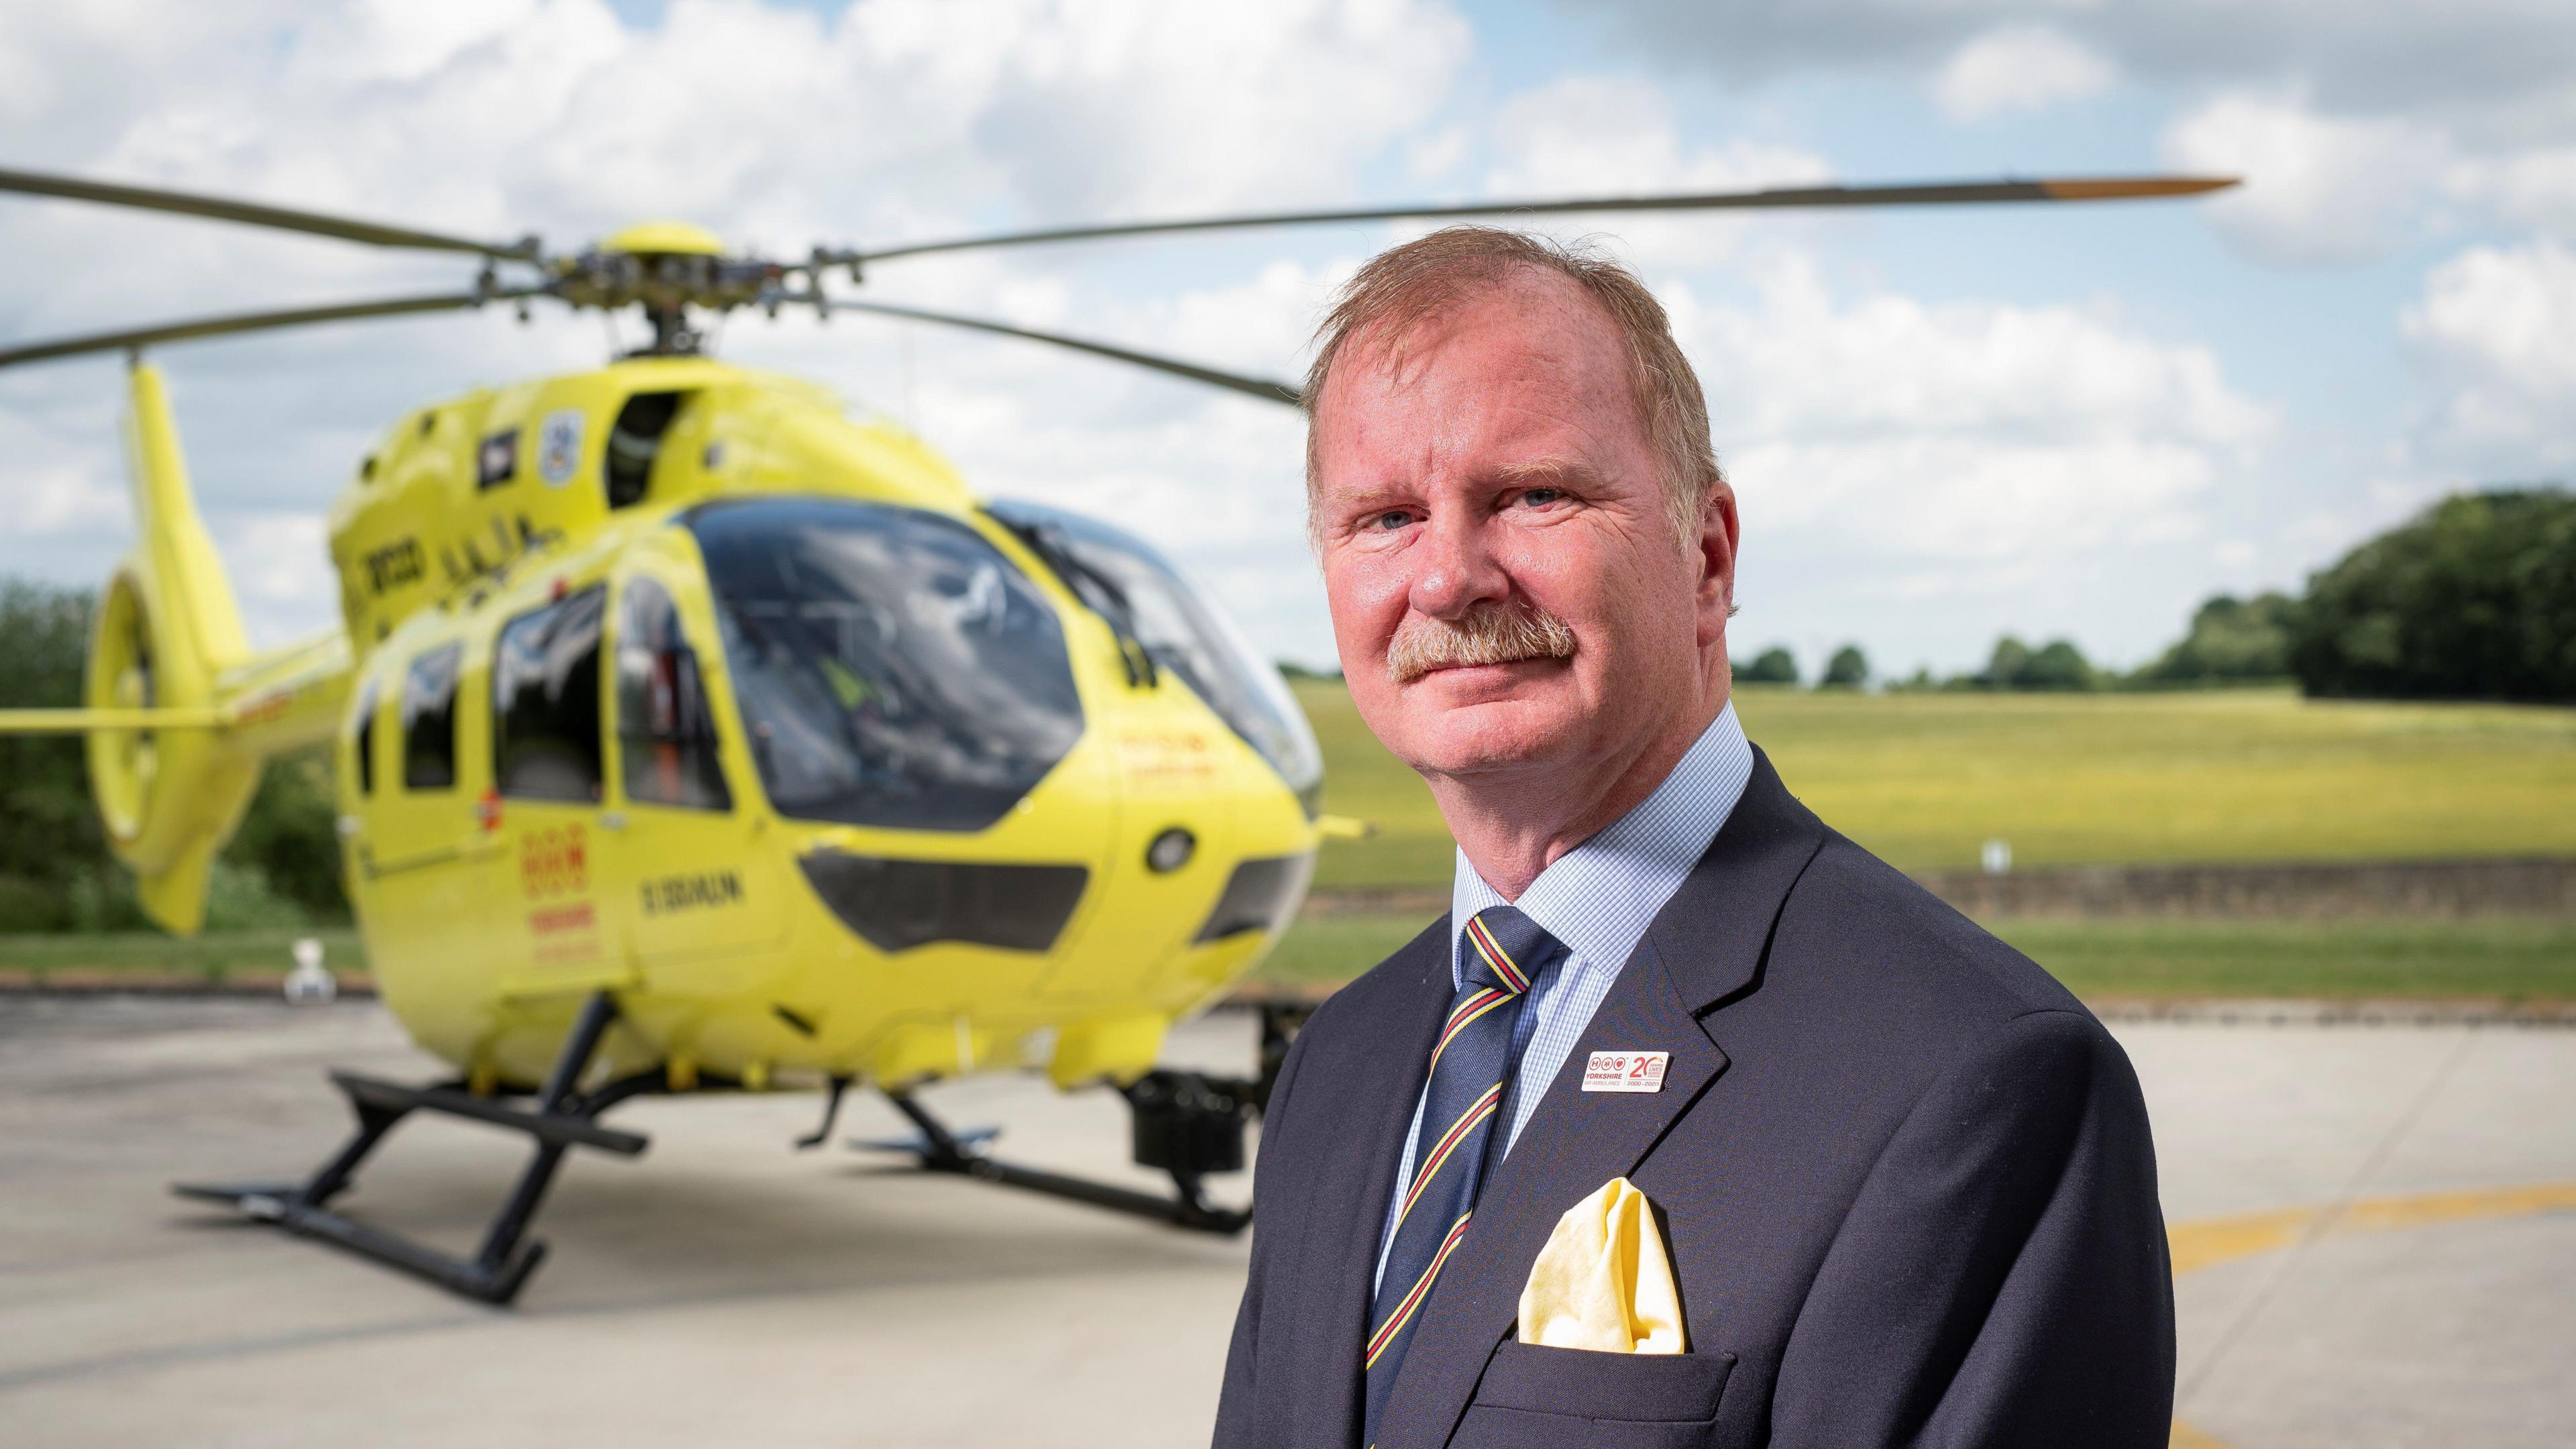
(1942, 425)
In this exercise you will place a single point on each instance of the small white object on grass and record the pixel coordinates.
(1998, 857)
(308, 984)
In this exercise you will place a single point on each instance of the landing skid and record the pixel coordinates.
(939, 1150)
(1185, 1124)
(561, 1120)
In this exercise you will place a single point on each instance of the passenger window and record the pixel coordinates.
(666, 729)
(362, 739)
(429, 720)
(545, 701)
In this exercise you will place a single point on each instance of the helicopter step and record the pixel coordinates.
(561, 1120)
(1184, 1123)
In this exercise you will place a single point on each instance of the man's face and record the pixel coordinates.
(1498, 470)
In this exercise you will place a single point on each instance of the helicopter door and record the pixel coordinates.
(701, 885)
(546, 754)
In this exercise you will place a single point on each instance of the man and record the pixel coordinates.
(1903, 1178)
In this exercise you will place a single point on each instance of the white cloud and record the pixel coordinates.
(65, 498)
(2316, 188)
(2018, 68)
(2495, 330)
(1607, 135)
(2505, 61)
(1885, 449)
(2357, 123)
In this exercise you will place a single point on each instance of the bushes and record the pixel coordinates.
(2055, 665)
(2231, 641)
(2475, 598)
(1775, 666)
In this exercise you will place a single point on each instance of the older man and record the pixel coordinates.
(1902, 1179)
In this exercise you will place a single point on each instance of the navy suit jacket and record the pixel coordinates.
(1905, 1179)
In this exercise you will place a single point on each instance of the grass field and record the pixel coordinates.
(210, 957)
(2222, 775)
(2515, 959)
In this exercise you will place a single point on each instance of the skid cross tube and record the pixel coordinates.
(939, 1150)
(560, 1120)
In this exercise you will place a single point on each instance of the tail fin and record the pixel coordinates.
(179, 713)
(168, 631)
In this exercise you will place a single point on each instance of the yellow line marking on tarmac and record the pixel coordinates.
(2212, 1241)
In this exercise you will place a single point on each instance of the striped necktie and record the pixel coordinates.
(1499, 953)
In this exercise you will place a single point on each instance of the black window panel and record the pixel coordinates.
(545, 701)
(362, 738)
(891, 666)
(635, 444)
(666, 727)
(896, 905)
(1260, 896)
(429, 720)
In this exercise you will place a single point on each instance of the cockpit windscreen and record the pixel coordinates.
(891, 666)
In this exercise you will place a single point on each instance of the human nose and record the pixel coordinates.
(1454, 569)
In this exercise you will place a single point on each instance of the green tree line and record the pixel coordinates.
(2474, 598)
(281, 869)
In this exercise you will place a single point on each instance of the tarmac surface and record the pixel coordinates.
(2374, 1230)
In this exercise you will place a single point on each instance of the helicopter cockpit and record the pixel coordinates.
(894, 669)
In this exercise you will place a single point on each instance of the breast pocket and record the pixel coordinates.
(1558, 1397)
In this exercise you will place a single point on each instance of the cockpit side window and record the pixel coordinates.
(666, 728)
(891, 666)
(429, 720)
(1182, 630)
(545, 701)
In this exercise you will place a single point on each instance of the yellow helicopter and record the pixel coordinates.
(692, 732)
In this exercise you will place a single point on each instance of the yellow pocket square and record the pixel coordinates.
(1603, 1281)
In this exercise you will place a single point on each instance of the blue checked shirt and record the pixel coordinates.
(1597, 898)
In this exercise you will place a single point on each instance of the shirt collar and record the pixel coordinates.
(1600, 897)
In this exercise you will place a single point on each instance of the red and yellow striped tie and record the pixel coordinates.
(1499, 953)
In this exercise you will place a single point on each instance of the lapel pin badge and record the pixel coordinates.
(1626, 1071)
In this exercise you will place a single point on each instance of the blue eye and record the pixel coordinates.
(1394, 518)
(1541, 497)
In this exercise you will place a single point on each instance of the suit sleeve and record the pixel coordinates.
(2001, 1278)
(1237, 1414)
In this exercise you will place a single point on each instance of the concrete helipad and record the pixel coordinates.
(2377, 1227)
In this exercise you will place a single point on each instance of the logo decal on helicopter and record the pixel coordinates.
(559, 446)
(554, 861)
(690, 892)
(496, 459)
(394, 565)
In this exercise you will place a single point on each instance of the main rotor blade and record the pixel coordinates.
(2092, 188)
(1260, 387)
(216, 208)
(255, 322)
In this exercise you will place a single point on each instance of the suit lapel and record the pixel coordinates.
(1378, 1075)
(1576, 1141)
